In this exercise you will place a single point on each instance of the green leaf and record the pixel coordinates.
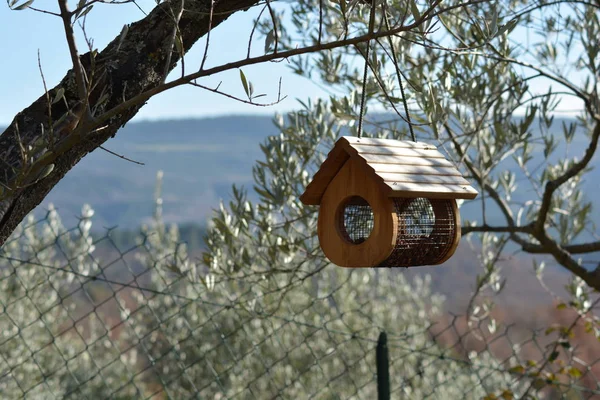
(448, 82)
(269, 40)
(494, 23)
(60, 93)
(538, 384)
(507, 395)
(179, 44)
(122, 35)
(245, 83)
(46, 171)
(565, 344)
(575, 373)
(346, 117)
(517, 369)
(415, 10)
(23, 6)
(80, 6)
(553, 356)
(85, 11)
(508, 27)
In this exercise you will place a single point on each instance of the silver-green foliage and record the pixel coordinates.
(269, 250)
(265, 315)
(52, 343)
(487, 82)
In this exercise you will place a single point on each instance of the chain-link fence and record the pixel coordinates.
(85, 317)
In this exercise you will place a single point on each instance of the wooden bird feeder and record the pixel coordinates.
(387, 203)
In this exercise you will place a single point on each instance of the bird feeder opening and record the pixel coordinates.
(355, 220)
(427, 234)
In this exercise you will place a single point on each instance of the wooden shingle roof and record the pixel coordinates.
(405, 169)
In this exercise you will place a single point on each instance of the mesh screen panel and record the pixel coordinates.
(426, 230)
(357, 220)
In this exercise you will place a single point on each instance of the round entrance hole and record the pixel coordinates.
(356, 220)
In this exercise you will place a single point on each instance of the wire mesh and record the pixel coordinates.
(426, 231)
(130, 325)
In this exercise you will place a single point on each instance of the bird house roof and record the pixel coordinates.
(404, 169)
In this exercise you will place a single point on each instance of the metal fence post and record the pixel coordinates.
(382, 360)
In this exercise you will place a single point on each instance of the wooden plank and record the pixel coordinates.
(353, 140)
(427, 162)
(391, 159)
(330, 167)
(431, 191)
(421, 178)
(354, 179)
(414, 169)
(398, 152)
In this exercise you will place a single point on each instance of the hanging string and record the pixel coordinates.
(364, 82)
(399, 75)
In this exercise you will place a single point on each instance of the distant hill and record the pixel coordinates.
(201, 159)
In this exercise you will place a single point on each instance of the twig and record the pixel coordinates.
(121, 156)
(77, 67)
(44, 11)
(254, 29)
(217, 91)
(176, 19)
(274, 20)
(210, 17)
(140, 98)
(582, 248)
(482, 282)
(320, 21)
(48, 101)
(553, 185)
(465, 230)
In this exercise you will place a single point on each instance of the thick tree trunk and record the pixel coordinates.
(121, 71)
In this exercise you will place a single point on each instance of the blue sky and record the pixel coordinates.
(24, 32)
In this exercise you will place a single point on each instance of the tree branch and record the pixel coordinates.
(465, 230)
(571, 249)
(553, 185)
(142, 97)
(126, 68)
(546, 244)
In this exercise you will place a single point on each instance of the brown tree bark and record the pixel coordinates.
(124, 69)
